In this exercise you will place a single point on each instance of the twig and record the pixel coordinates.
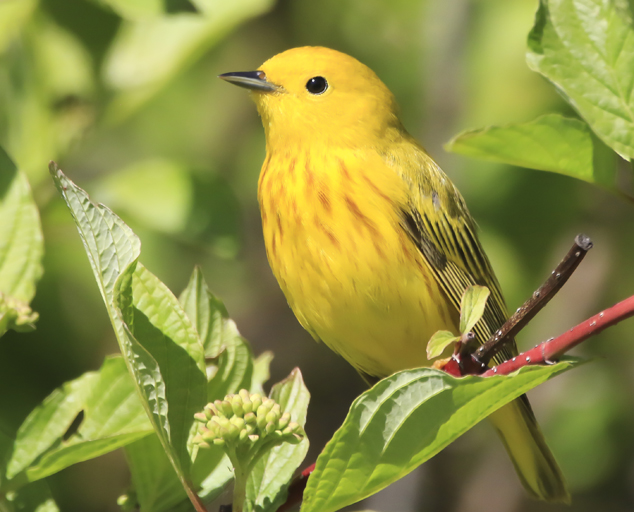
(551, 350)
(532, 306)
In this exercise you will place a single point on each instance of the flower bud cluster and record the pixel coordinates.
(245, 418)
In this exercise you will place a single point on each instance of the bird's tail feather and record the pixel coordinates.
(535, 464)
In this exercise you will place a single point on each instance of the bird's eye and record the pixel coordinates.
(317, 85)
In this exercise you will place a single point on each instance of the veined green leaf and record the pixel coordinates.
(403, 421)
(21, 248)
(549, 143)
(474, 300)
(159, 343)
(268, 482)
(586, 48)
(113, 417)
(439, 342)
(233, 366)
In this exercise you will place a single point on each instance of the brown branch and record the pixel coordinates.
(551, 350)
(532, 306)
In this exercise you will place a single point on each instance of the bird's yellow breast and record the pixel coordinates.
(332, 229)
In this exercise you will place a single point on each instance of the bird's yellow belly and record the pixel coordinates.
(354, 279)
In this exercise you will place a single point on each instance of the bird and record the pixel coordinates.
(370, 241)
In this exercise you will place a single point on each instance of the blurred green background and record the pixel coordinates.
(127, 101)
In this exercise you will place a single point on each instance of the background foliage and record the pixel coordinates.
(126, 99)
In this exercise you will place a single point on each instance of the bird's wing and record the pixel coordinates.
(438, 222)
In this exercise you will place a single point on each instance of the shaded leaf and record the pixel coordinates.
(157, 487)
(586, 48)
(35, 497)
(439, 342)
(549, 143)
(268, 482)
(403, 421)
(21, 248)
(472, 305)
(261, 372)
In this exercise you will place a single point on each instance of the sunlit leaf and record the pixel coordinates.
(148, 53)
(160, 345)
(472, 305)
(48, 422)
(439, 342)
(261, 372)
(139, 9)
(403, 421)
(21, 248)
(268, 483)
(112, 417)
(549, 143)
(586, 48)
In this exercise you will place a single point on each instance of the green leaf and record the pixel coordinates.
(268, 482)
(156, 484)
(13, 15)
(549, 143)
(474, 300)
(157, 193)
(159, 343)
(261, 372)
(21, 248)
(233, 366)
(35, 497)
(439, 342)
(586, 48)
(48, 422)
(110, 244)
(147, 54)
(403, 421)
(139, 9)
(112, 417)
(208, 314)
(167, 359)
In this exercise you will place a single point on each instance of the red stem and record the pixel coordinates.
(552, 349)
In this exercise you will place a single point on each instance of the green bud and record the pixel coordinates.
(201, 416)
(233, 432)
(219, 442)
(261, 421)
(256, 400)
(284, 421)
(271, 417)
(238, 422)
(224, 407)
(253, 438)
(243, 434)
(209, 435)
(250, 418)
(270, 427)
(211, 410)
(236, 405)
(202, 444)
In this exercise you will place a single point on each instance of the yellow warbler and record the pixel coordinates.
(370, 241)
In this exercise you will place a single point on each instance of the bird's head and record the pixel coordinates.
(312, 94)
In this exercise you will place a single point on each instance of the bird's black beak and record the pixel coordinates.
(254, 80)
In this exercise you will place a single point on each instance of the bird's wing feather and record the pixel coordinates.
(438, 222)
